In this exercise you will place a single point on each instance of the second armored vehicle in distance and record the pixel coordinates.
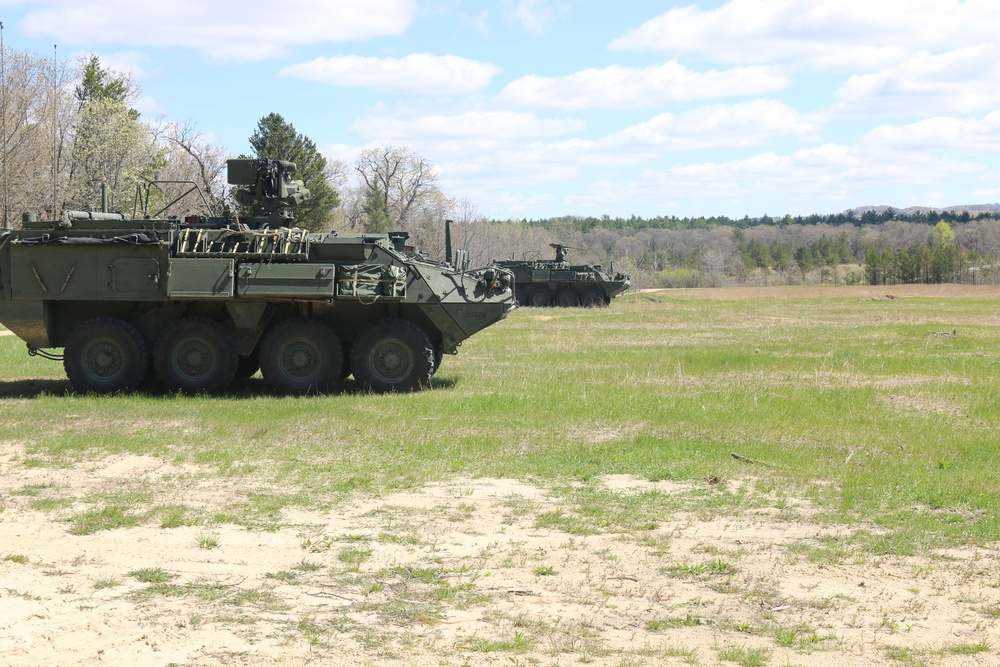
(556, 282)
(201, 301)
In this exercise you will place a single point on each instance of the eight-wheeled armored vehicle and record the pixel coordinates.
(203, 300)
(556, 282)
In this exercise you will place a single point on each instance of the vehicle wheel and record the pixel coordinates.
(195, 354)
(567, 298)
(301, 356)
(438, 358)
(248, 366)
(540, 297)
(592, 298)
(392, 355)
(521, 296)
(106, 355)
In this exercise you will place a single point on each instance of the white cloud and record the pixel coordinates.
(132, 63)
(485, 126)
(958, 81)
(570, 164)
(959, 135)
(832, 35)
(737, 126)
(223, 29)
(417, 73)
(480, 22)
(533, 15)
(820, 179)
(623, 88)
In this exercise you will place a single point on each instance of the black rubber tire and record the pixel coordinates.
(106, 355)
(392, 355)
(593, 298)
(301, 356)
(540, 297)
(195, 354)
(438, 358)
(567, 298)
(521, 296)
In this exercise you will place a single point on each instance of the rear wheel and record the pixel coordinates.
(540, 297)
(392, 355)
(567, 298)
(106, 355)
(195, 354)
(592, 298)
(301, 356)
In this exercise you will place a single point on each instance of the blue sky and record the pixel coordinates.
(538, 108)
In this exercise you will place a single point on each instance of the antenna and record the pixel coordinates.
(3, 125)
(55, 122)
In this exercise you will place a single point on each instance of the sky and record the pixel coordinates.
(541, 108)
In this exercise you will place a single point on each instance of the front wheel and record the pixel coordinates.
(593, 298)
(392, 355)
(195, 354)
(438, 358)
(106, 355)
(301, 356)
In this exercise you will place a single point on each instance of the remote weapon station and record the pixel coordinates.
(201, 301)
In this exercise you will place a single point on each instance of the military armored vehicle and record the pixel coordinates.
(556, 282)
(200, 301)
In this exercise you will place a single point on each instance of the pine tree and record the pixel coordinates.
(96, 83)
(277, 139)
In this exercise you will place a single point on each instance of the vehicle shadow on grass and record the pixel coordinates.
(33, 388)
(255, 387)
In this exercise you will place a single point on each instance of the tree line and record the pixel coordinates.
(71, 127)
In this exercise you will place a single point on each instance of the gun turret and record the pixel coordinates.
(268, 189)
(561, 251)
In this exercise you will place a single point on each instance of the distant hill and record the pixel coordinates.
(971, 208)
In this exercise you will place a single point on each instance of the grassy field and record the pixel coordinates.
(878, 414)
(878, 409)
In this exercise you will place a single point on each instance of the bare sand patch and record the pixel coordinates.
(464, 572)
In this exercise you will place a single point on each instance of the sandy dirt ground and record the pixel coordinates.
(469, 572)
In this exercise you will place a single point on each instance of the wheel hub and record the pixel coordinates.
(300, 360)
(392, 361)
(194, 359)
(105, 361)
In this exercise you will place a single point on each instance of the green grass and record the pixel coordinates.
(850, 404)
(207, 541)
(515, 644)
(744, 656)
(106, 582)
(151, 575)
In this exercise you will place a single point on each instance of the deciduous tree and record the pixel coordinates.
(397, 188)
